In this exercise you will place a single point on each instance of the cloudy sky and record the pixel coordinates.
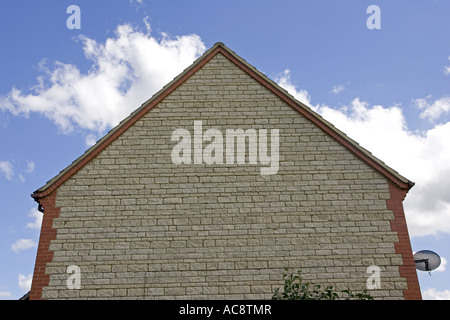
(382, 77)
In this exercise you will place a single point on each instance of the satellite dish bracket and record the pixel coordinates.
(427, 267)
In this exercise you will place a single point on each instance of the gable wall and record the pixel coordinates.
(140, 226)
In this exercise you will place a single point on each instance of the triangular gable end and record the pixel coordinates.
(398, 185)
(400, 181)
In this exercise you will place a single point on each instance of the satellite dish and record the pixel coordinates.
(427, 260)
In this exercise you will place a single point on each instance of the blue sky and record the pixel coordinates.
(387, 88)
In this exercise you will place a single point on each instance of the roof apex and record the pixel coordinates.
(220, 47)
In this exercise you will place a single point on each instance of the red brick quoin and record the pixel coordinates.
(44, 255)
(403, 246)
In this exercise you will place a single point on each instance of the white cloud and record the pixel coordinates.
(30, 166)
(337, 89)
(37, 216)
(7, 169)
(126, 71)
(433, 294)
(25, 282)
(434, 110)
(447, 68)
(421, 157)
(443, 265)
(90, 140)
(23, 244)
(284, 80)
(5, 294)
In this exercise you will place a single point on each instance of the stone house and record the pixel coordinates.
(214, 186)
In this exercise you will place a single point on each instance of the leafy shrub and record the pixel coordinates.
(296, 289)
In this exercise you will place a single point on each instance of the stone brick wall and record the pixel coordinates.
(139, 226)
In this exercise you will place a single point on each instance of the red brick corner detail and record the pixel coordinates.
(403, 246)
(44, 255)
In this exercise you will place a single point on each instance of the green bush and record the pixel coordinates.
(296, 289)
